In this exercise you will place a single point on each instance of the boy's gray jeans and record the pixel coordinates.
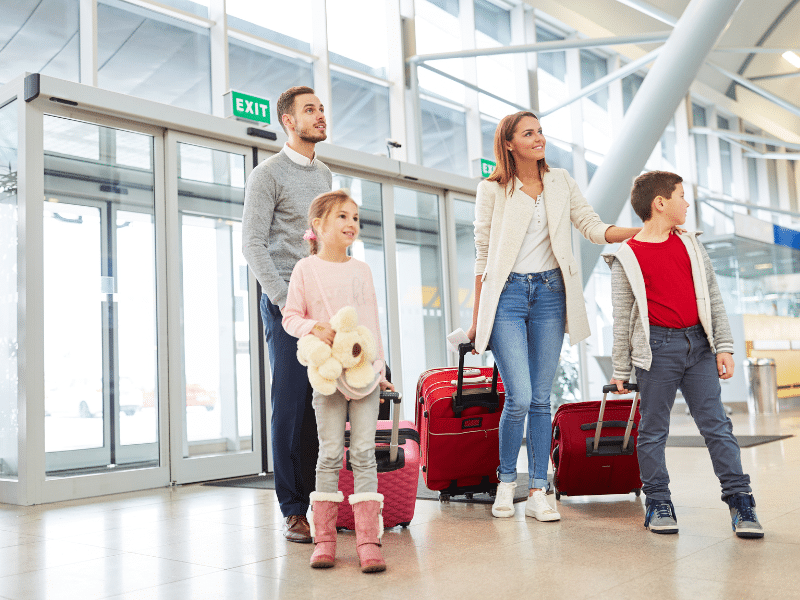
(331, 412)
(682, 359)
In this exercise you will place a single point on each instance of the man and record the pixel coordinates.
(279, 192)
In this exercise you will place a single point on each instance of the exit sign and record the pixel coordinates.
(487, 167)
(243, 106)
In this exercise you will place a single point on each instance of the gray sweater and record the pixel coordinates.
(629, 299)
(276, 201)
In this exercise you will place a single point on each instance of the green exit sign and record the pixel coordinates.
(244, 106)
(487, 167)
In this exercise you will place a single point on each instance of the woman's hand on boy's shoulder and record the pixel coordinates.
(725, 365)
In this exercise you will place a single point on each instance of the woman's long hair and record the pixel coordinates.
(506, 170)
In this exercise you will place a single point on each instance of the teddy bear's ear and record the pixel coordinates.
(345, 320)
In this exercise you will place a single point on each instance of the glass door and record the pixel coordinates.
(100, 318)
(216, 375)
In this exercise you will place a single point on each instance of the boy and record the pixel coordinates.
(670, 325)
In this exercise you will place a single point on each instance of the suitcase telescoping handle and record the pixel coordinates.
(459, 400)
(631, 387)
(396, 398)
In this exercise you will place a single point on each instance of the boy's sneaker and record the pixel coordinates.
(743, 518)
(660, 517)
(539, 508)
(504, 500)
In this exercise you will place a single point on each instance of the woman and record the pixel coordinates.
(528, 291)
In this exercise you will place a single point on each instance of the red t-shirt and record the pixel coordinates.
(667, 272)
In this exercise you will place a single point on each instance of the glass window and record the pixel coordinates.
(668, 141)
(419, 284)
(359, 113)
(752, 179)
(40, 36)
(265, 74)
(438, 30)
(630, 86)
(488, 129)
(369, 245)
(772, 179)
(559, 155)
(196, 8)
(145, 54)
(444, 138)
(9, 426)
(495, 73)
(365, 50)
(552, 76)
(99, 242)
(273, 20)
(726, 159)
(596, 121)
(700, 145)
(215, 302)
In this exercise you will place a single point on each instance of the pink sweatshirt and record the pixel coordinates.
(344, 284)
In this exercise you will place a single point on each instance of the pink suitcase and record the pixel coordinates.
(397, 454)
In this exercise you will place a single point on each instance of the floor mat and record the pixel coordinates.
(267, 482)
(745, 441)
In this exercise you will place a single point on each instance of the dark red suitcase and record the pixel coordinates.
(594, 446)
(398, 476)
(458, 419)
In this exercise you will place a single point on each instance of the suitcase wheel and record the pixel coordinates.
(406, 524)
(556, 432)
(444, 497)
(558, 495)
(422, 400)
(468, 496)
(638, 492)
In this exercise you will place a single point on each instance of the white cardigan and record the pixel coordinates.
(500, 225)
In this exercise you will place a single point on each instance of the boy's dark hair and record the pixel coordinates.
(286, 102)
(648, 186)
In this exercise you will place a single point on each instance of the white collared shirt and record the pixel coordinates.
(298, 158)
(536, 253)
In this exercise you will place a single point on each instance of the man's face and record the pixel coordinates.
(308, 120)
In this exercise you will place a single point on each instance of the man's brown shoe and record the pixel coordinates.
(296, 529)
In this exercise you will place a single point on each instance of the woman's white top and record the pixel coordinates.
(536, 253)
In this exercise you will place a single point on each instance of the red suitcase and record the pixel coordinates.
(398, 474)
(458, 419)
(586, 461)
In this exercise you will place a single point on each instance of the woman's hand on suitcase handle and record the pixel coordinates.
(471, 335)
(620, 386)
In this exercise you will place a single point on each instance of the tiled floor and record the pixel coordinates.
(198, 542)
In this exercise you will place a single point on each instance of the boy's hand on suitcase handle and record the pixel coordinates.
(617, 386)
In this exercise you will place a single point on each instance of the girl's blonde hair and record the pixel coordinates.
(506, 169)
(320, 207)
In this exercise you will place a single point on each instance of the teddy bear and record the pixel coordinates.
(351, 355)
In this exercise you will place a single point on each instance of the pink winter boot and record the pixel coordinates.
(324, 510)
(369, 529)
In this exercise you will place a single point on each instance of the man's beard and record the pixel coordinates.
(311, 135)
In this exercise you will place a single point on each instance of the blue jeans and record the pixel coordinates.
(294, 431)
(526, 343)
(682, 359)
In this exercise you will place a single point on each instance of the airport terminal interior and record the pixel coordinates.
(133, 367)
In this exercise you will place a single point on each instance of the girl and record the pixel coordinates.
(320, 285)
(528, 290)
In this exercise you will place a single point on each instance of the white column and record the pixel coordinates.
(523, 32)
(319, 48)
(396, 73)
(669, 79)
(739, 169)
(88, 42)
(471, 103)
(220, 79)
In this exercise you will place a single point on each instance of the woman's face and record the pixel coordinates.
(528, 141)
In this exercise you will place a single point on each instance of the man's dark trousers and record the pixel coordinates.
(294, 428)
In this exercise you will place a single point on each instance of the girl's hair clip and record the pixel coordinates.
(309, 235)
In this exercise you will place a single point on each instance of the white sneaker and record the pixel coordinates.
(539, 508)
(504, 500)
